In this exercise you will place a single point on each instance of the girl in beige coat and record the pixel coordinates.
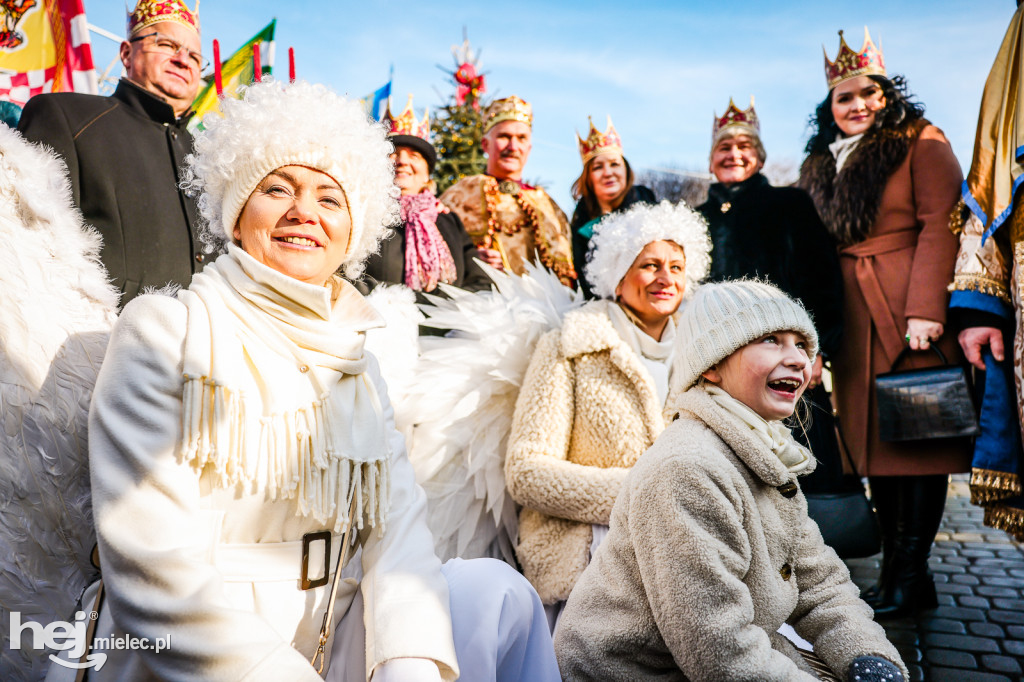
(710, 549)
(593, 395)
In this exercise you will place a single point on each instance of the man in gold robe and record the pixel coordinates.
(511, 222)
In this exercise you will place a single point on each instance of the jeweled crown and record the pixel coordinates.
(598, 142)
(735, 117)
(849, 64)
(149, 12)
(406, 123)
(509, 108)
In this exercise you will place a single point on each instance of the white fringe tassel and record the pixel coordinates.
(301, 462)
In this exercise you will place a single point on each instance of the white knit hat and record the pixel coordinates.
(724, 317)
(297, 124)
(620, 237)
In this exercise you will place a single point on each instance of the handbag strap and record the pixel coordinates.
(842, 441)
(908, 349)
(325, 628)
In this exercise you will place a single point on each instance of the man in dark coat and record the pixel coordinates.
(124, 152)
(774, 233)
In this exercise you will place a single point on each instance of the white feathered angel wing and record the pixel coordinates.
(462, 403)
(56, 312)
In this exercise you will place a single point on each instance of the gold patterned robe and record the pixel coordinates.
(995, 269)
(520, 221)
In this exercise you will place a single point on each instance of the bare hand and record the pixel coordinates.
(819, 363)
(974, 339)
(492, 257)
(922, 332)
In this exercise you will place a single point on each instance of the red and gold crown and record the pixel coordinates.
(736, 118)
(406, 123)
(598, 142)
(850, 64)
(149, 12)
(509, 108)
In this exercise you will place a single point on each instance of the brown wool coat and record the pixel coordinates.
(705, 560)
(587, 410)
(901, 269)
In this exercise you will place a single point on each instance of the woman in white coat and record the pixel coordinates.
(239, 434)
(593, 395)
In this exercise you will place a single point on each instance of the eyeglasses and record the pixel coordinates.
(168, 46)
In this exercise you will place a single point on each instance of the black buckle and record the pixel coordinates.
(307, 540)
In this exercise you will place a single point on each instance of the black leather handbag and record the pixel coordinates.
(923, 404)
(845, 516)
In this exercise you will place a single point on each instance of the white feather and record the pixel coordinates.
(463, 400)
(55, 317)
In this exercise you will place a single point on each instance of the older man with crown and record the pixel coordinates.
(512, 222)
(774, 233)
(124, 152)
(429, 246)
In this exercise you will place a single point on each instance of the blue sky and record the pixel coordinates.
(661, 69)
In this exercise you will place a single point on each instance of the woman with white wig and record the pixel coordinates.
(592, 399)
(254, 504)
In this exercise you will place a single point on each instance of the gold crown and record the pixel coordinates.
(736, 117)
(850, 64)
(406, 123)
(598, 142)
(149, 12)
(509, 108)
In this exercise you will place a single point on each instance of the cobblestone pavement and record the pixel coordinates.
(977, 633)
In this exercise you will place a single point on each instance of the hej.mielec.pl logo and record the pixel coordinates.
(73, 638)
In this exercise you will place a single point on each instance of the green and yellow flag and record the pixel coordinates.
(237, 70)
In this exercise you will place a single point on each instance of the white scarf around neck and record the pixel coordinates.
(843, 147)
(655, 355)
(243, 318)
(773, 434)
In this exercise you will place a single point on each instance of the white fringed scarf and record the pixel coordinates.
(245, 318)
(774, 435)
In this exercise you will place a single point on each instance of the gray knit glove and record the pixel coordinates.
(873, 669)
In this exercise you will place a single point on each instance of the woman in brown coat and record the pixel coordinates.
(884, 181)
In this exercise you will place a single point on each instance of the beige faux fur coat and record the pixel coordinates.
(587, 410)
(710, 551)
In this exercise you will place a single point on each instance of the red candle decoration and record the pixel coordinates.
(291, 64)
(257, 69)
(217, 79)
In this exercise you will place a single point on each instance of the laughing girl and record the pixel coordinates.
(711, 550)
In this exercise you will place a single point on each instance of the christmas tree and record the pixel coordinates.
(458, 126)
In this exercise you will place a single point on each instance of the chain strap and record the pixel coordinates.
(325, 628)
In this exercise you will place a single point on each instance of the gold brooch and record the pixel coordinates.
(726, 206)
(508, 187)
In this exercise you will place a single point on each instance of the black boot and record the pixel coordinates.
(885, 494)
(911, 588)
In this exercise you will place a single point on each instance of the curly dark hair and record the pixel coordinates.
(900, 109)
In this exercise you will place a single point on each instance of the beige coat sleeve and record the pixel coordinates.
(692, 550)
(154, 541)
(830, 612)
(537, 471)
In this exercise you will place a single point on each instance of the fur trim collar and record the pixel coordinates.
(848, 203)
(589, 330)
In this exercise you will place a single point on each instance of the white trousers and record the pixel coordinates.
(498, 622)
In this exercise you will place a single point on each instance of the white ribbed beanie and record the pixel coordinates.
(724, 317)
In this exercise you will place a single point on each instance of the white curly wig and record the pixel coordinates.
(297, 124)
(620, 237)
